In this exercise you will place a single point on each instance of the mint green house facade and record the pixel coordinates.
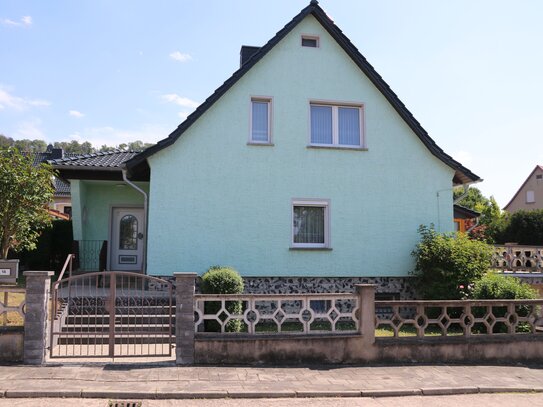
(304, 164)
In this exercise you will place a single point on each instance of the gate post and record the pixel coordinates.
(366, 312)
(184, 317)
(37, 296)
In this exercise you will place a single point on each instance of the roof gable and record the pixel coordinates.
(522, 186)
(462, 174)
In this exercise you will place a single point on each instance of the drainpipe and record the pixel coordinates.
(145, 200)
(474, 225)
(466, 190)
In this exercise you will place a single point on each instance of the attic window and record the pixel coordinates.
(308, 41)
(539, 176)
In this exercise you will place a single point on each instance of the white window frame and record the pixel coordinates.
(309, 37)
(335, 124)
(321, 203)
(530, 196)
(269, 101)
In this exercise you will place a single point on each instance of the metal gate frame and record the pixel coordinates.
(121, 297)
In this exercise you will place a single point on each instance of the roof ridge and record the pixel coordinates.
(353, 52)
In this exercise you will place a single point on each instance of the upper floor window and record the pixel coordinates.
(310, 41)
(336, 125)
(530, 196)
(260, 121)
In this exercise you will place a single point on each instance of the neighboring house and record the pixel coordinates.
(530, 194)
(304, 171)
(61, 207)
(465, 219)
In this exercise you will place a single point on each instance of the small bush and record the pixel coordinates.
(222, 280)
(497, 287)
(446, 263)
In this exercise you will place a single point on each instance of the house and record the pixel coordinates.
(530, 194)
(304, 171)
(61, 207)
(465, 219)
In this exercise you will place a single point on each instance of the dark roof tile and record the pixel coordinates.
(108, 159)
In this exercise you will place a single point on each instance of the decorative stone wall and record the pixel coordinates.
(400, 287)
(297, 285)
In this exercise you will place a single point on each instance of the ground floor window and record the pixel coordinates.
(310, 223)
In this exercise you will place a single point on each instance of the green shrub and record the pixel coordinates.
(523, 227)
(446, 264)
(494, 286)
(222, 280)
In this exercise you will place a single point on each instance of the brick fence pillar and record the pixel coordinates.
(366, 305)
(37, 296)
(184, 317)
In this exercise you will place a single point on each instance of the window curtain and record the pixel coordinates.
(321, 124)
(349, 126)
(308, 224)
(260, 121)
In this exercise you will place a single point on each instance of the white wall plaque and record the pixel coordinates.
(5, 272)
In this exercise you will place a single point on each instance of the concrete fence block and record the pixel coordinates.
(37, 296)
(185, 284)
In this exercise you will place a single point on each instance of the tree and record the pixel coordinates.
(523, 227)
(25, 192)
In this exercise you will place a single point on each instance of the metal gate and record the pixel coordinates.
(111, 314)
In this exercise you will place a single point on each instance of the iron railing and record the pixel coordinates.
(90, 255)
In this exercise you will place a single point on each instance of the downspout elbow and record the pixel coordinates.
(145, 207)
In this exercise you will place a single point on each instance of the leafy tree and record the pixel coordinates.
(31, 146)
(6, 142)
(448, 263)
(25, 192)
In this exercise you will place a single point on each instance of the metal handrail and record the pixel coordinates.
(67, 263)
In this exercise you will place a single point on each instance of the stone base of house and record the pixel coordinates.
(388, 288)
(399, 288)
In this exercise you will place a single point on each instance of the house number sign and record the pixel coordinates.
(5, 272)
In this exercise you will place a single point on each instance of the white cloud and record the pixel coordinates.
(25, 21)
(76, 113)
(180, 100)
(30, 129)
(10, 101)
(179, 56)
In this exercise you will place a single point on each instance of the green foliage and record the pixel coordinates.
(222, 280)
(447, 263)
(71, 147)
(25, 192)
(494, 286)
(523, 227)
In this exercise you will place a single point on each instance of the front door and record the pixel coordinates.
(127, 239)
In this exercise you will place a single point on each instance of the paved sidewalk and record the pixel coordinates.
(166, 381)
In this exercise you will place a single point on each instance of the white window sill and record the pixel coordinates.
(334, 147)
(254, 143)
(310, 248)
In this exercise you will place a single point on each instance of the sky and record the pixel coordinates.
(109, 72)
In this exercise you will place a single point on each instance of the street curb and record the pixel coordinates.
(272, 394)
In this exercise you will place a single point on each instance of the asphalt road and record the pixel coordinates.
(469, 400)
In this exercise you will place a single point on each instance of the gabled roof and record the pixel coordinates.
(96, 166)
(522, 186)
(103, 160)
(462, 174)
